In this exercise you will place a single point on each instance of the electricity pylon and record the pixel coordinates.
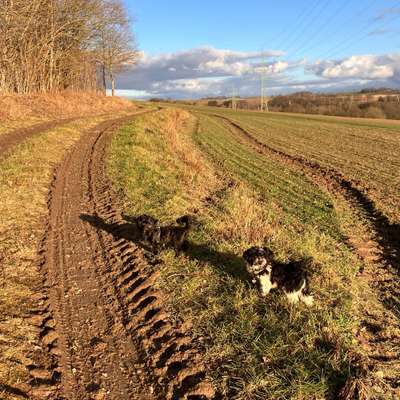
(263, 97)
(233, 98)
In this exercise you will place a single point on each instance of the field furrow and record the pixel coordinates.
(366, 153)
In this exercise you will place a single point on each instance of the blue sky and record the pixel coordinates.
(322, 45)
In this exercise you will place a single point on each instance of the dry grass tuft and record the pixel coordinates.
(59, 105)
(356, 386)
(354, 389)
(245, 219)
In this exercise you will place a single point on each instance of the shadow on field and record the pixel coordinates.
(223, 262)
(126, 230)
(230, 264)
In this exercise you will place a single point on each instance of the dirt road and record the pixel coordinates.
(106, 332)
(13, 138)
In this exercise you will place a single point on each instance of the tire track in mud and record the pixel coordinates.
(379, 249)
(17, 136)
(112, 337)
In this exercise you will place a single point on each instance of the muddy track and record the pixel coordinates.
(15, 137)
(103, 325)
(379, 249)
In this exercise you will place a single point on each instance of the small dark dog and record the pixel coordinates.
(149, 228)
(176, 236)
(268, 274)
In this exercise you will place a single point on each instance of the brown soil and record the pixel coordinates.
(13, 138)
(379, 249)
(104, 329)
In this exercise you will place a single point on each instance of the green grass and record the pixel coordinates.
(256, 348)
(366, 152)
(301, 201)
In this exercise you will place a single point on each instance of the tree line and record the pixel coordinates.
(54, 45)
(383, 103)
(368, 105)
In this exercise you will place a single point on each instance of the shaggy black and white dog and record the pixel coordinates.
(268, 274)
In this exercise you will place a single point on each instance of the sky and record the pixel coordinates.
(192, 49)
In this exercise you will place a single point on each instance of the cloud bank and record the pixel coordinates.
(208, 71)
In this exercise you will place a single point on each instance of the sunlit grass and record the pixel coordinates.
(255, 348)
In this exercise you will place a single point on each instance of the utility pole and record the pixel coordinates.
(263, 97)
(233, 98)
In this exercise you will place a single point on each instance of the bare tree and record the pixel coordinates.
(115, 41)
(52, 45)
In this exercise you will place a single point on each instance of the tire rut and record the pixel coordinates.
(17, 136)
(112, 337)
(379, 249)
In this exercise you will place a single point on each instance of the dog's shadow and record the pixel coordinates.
(126, 230)
(225, 263)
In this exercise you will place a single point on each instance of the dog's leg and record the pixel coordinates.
(185, 245)
(293, 297)
(300, 295)
(307, 299)
(304, 297)
(265, 284)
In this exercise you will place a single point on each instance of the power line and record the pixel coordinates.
(338, 27)
(315, 34)
(304, 29)
(348, 42)
(302, 15)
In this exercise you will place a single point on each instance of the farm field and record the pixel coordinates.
(192, 211)
(365, 152)
(250, 197)
(89, 311)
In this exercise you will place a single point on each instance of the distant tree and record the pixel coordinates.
(212, 103)
(374, 112)
(156, 99)
(114, 42)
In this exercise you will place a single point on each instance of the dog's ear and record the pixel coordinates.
(268, 252)
(247, 255)
(186, 220)
(181, 220)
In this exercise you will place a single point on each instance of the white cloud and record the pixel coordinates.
(208, 71)
(369, 67)
(180, 72)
